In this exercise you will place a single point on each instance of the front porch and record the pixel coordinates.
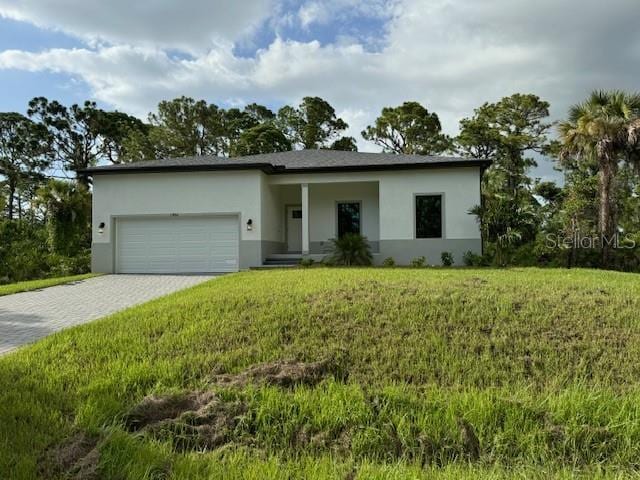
(303, 218)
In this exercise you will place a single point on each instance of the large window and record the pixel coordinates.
(348, 218)
(428, 216)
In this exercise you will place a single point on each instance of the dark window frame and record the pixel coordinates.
(337, 210)
(415, 215)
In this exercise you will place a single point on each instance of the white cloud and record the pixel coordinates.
(451, 55)
(189, 25)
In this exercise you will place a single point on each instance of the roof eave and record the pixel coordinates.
(278, 169)
(265, 167)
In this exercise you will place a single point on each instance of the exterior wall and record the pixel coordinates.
(459, 186)
(272, 218)
(236, 193)
(388, 216)
(323, 221)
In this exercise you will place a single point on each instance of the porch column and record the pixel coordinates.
(305, 218)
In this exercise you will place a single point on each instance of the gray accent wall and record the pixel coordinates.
(250, 253)
(102, 260)
(403, 251)
(269, 248)
(317, 248)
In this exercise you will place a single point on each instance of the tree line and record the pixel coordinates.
(46, 204)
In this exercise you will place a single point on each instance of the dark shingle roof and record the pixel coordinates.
(294, 161)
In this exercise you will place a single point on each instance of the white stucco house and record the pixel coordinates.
(212, 214)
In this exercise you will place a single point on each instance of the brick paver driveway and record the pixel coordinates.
(28, 316)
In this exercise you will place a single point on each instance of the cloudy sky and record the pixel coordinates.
(360, 55)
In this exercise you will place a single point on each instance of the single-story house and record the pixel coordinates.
(212, 214)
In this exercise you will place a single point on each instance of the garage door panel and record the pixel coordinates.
(177, 245)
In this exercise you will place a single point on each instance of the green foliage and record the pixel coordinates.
(313, 124)
(418, 262)
(187, 127)
(25, 152)
(472, 259)
(389, 262)
(408, 129)
(263, 138)
(307, 262)
(345, 143)
(350, 249)
(600, 134)
(506, 132)
(447, 259)
(82, 136)
(68, 213)
(23, 251)
(535, 361)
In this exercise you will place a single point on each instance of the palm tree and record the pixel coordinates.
(603, 131)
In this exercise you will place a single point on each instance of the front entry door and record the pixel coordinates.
(294, 229)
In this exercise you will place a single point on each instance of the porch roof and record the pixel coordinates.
(297, 161)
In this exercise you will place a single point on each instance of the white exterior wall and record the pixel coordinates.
(387, 206)
(323, 199)
(459, 186)
(271, 211)
(182, 193)
(237, 193)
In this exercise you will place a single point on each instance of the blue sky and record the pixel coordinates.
(450, 55)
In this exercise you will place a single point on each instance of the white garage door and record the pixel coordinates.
(177, 244)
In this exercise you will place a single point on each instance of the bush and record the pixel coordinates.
(447, 259)
(418, 262)
(62, 266)
(472, 259)
(389, 262)
(306, 262)
(350, 249)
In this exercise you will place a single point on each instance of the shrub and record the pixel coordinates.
(389, 262)
(306, 262)
(418, 262)
(472, 259)
(447, 259)
(61, 266)
(350, 249)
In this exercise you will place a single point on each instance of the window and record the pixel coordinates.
(348, 218)
(296, 213)
(428, 216)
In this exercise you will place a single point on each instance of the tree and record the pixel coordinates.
(186, 127)
(262, 138)
(24, 154)
(505, 132)
(408, 129)
(259, 113)
(234, 123)
(345, 143)
(116, 128)
(82, 136)
(603, 131)
(67, 208)
(312, 125)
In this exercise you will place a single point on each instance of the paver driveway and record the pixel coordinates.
(28, 316)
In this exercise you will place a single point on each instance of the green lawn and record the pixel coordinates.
(539, 366)
(38, 284)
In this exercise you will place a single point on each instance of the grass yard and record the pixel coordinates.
(430, 373)
(12, 288)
